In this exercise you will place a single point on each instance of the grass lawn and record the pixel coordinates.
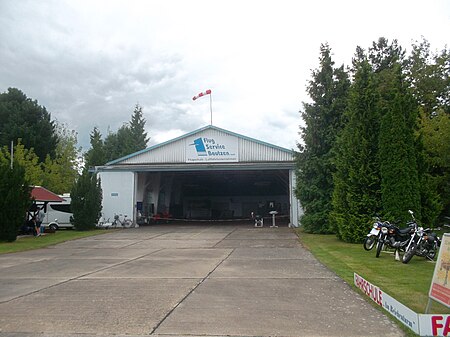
(31, 242)
(407, 283)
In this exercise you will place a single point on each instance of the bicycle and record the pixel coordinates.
(125, 223)
(103, 223)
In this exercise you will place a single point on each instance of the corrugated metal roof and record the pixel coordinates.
(174, 151)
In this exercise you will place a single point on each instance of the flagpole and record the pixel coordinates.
(210, 105)
(207, 92)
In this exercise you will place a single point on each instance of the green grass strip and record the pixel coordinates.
(407, 283)
(30, 242)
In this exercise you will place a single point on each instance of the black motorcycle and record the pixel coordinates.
(393, 237)
(422, 242)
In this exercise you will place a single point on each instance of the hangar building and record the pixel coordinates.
(207, 174)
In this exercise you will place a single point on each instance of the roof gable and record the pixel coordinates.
(182, 149)
(40, 193)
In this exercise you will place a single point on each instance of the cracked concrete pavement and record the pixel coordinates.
(181, 280)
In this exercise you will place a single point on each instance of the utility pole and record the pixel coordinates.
(12, 153)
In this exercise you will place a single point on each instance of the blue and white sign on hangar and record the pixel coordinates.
(214, 149)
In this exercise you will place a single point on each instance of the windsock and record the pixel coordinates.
(207, 92)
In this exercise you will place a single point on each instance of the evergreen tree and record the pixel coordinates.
(125, 142)
(323, 120)
(118, 144)
(26, 119)
(384, 55)
(356, 195)
(129, 138)
(428, 74)
(111, 147)
(397, 155)
(96, 154)
(400, 188)
(86, 203)
(137, 129)
(435, 183)
(15, 199)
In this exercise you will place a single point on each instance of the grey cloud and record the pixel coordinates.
(84, 82)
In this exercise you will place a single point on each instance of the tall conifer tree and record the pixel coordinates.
(356, 195)
(95, 156)
(429, 79)
(323, 119)
(137, 128)
(400, 188)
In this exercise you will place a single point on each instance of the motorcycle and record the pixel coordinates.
(374, 234)
(423, 242)
(393, 237)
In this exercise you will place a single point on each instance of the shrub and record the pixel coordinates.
(15, 200)
(86, 201)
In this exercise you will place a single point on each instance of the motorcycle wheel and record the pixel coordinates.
(409, 253)
(380, 245)
(369, 242)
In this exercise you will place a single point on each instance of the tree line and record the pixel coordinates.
(45, 153)
(375, 139)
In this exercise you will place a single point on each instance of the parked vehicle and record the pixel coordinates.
(58, 214)
(374, 234)
(393, 237)
(422, 242)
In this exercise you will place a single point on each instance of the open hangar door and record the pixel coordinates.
(214, 194)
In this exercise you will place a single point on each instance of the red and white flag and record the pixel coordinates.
(207, 92)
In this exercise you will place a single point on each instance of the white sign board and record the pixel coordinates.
(434, 325)
(423, 325)
(388, 303)
(440, 284)
(211, 149)
(401, 312)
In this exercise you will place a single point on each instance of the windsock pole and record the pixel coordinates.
(207, 92)
(210, 105)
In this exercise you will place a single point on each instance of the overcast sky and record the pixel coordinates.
(89, 62)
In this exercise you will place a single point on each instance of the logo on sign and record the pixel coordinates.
(211, 149)
(199, 147)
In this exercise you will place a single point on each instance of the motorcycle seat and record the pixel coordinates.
(404, 230)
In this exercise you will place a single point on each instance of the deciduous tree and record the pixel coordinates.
(23, 118)
(28, 160)
(61, 172)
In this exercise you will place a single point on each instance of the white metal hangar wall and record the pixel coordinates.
(207, 174)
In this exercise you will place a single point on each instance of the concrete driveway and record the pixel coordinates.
(181, 280)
